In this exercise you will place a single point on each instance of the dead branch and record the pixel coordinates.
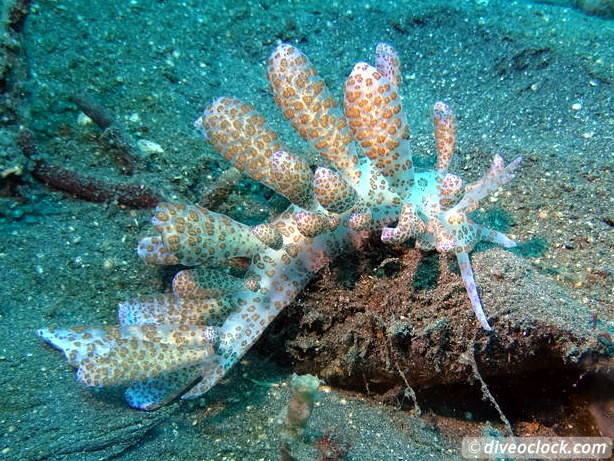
(85, 187)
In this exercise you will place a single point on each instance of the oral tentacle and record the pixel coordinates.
(467, 274)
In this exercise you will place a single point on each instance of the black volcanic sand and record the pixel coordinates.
(523, 78)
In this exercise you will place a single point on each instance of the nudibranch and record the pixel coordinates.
(184, 341)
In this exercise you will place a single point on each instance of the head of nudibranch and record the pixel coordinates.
(436, 210)
(430, 206)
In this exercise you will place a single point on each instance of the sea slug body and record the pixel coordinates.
(367, 182)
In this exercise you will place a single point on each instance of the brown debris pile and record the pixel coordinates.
(389, 322)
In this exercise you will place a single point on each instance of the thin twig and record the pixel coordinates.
(487, 395)
(409, 390)
(119, 142)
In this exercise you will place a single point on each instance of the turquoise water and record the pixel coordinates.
(530, 79)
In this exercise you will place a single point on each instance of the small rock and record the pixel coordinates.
(149, 147)
(83, 120)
